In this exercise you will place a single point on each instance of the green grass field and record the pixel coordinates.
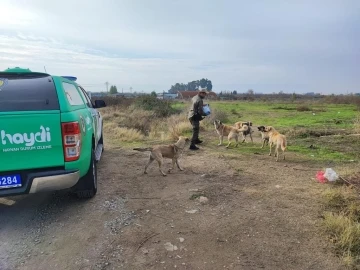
(303, 128)
(286, 115)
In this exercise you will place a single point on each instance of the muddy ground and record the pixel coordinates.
(260, 214)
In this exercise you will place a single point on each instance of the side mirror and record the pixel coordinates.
(99, 104)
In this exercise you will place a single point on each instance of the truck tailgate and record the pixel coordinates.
(30, 140)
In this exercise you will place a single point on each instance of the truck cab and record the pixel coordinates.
(50, 134)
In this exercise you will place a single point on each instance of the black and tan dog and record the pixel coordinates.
(248, 131)
(172, 151)
(264, 136)
(277, 139)
(229, 131)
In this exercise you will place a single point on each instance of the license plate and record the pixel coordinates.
(10, 181)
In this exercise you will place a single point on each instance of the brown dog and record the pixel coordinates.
(229, 131)
(248, 131)
(278, 139)
(264, 136)
(158, 152)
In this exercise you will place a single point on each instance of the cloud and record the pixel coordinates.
(302, 46)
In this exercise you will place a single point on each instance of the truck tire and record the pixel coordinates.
(87, 186)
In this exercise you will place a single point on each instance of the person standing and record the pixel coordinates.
(196, 114)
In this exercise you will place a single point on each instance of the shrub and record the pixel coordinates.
(216, 115)
(161, 108)
(303, 108)
(115, 101)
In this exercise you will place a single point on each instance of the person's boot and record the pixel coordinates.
(198, 141)
(193, 147)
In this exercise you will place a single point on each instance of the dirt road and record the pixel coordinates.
(260, 215)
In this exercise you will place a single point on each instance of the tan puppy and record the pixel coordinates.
(278, 139)
(248, 131)
(229, 131)
(158, 152)
(264, 136)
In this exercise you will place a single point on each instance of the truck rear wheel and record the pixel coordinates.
(87, 186)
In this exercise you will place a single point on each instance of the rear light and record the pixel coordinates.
(71, 135)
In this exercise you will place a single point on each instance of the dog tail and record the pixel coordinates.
(143, 149)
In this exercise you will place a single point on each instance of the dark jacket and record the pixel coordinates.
(196, 111)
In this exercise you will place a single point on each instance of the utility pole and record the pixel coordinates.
(107, 87)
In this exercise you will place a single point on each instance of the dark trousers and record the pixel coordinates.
(196, 128)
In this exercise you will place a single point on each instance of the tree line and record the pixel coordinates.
(191, 86)
(113, 89)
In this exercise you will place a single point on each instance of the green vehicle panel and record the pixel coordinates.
(50, 134)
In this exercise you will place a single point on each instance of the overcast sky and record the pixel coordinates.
(268, 46)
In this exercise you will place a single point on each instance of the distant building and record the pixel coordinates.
(97, 94)
(191, 94)
(166, 96)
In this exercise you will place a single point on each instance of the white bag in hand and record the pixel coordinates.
(206, 109)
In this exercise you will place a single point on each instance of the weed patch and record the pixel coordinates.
(341, 223)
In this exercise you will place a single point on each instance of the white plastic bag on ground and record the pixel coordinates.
(331, 175)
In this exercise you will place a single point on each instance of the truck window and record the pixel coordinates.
(27, 92)
(86, 97)
(72, 94)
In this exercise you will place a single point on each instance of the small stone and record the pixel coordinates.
(170, 247)
(191, 211)
(147, 211)
(203, 200)
(181, 239)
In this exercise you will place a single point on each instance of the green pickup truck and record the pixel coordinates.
(50, 134)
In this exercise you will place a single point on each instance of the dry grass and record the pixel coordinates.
(339, 198)
(341, 223)
(178, 125)
(357, 125)
(123, 123)
(113, 131)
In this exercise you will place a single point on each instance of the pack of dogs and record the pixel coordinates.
(269, 136)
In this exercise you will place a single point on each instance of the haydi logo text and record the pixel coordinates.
(29, 139)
